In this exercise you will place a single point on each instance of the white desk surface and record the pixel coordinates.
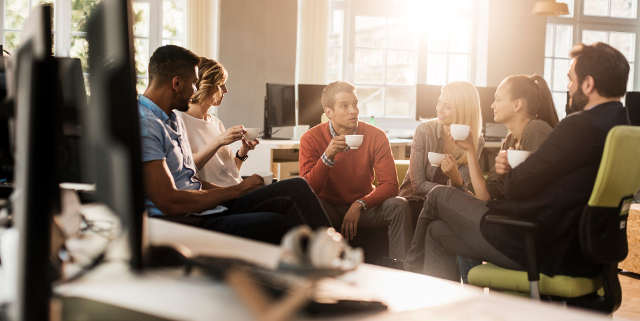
(410, 296)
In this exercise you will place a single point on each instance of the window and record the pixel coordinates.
(611, 21)
(386, 51)
(70, 18)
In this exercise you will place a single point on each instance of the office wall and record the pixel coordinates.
(257, 45)
(516, 40)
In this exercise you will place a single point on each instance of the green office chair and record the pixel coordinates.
(602, 233)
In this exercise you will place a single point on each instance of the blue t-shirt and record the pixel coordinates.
(163, 137)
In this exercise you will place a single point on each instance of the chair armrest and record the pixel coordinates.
(530, 229)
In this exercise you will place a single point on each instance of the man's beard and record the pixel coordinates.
(577, 101)
(183, 105)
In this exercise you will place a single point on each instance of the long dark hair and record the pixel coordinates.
(535, 91)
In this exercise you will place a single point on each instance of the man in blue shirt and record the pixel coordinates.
(173, 192)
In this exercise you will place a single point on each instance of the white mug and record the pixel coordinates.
(516, 157)
(251, 133)
(459, 131)
(435, 158)
(267, 177)
(353, 141)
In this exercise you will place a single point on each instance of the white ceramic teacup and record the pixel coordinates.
(435, 158)
(516, 157)
(267, 177)
(251, 133)
(354, 141)
(459, 131)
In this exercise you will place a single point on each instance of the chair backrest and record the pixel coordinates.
(603, 234)
(619, 172)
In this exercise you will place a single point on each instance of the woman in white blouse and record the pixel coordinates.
(207, 135)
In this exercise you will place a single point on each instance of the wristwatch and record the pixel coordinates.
(242, 158)
(363, 204)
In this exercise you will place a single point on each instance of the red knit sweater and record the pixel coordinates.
(351, 177)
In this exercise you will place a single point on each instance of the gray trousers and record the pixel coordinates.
(393, 212)
(448, 226)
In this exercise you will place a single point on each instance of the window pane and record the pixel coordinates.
(458, 68)
(11, 41)
(337, 28)
(370, 101)
(401, 67)
(548, 45)
(596, 7)
(15, 13)
(369, 66)
(560, 102)
(437, 41)
(624, 8)
(141, 84)
(625, 42)
(176, 42)
(141, 56)
(400, 101)
(547, 70)
(141, 13)
(174, 14)
(80, 11)
(370, 32)
(400, 35)
(80, 49)
(591, 36)
(460, 37)
(436, 69)
(560, 70)
(564, 40)
(334, 65)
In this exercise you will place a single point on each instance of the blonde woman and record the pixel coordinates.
(458, 103)
(208, 137)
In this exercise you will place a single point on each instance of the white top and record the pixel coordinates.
(221, 168)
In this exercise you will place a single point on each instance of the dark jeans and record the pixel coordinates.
(267, 213)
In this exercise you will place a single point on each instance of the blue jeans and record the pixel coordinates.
(265, 214)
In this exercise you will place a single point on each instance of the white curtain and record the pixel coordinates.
(203, 27)
(314, 23)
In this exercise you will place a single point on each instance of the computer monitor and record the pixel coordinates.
(37, 195)
(632, 104)
(112, 124)
(426, 101)
(72, 102)
(309, 105)
(279, 108)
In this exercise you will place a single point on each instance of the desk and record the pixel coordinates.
(410, 296)
(281, 157)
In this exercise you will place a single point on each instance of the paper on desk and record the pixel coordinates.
(216, 210)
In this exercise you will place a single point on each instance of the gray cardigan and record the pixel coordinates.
(422, 177)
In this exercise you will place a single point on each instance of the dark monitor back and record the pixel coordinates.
(72, 103)
(632, 104)
(309, 105)
(112, 122)
(426, 101)
(281, 105)
(487, 96)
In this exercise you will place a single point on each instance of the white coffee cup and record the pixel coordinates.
(516, 157)
(435, 158)
(267, 177)
(251, 133)
(459, 131)
(354, 141)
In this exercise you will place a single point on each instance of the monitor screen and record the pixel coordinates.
(279, 107)
(487, 96)
(426, 101)
(309, 105)
(112, 123)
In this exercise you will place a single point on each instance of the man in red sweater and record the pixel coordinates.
(343, 177)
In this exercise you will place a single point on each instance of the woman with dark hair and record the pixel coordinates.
(523, 103)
